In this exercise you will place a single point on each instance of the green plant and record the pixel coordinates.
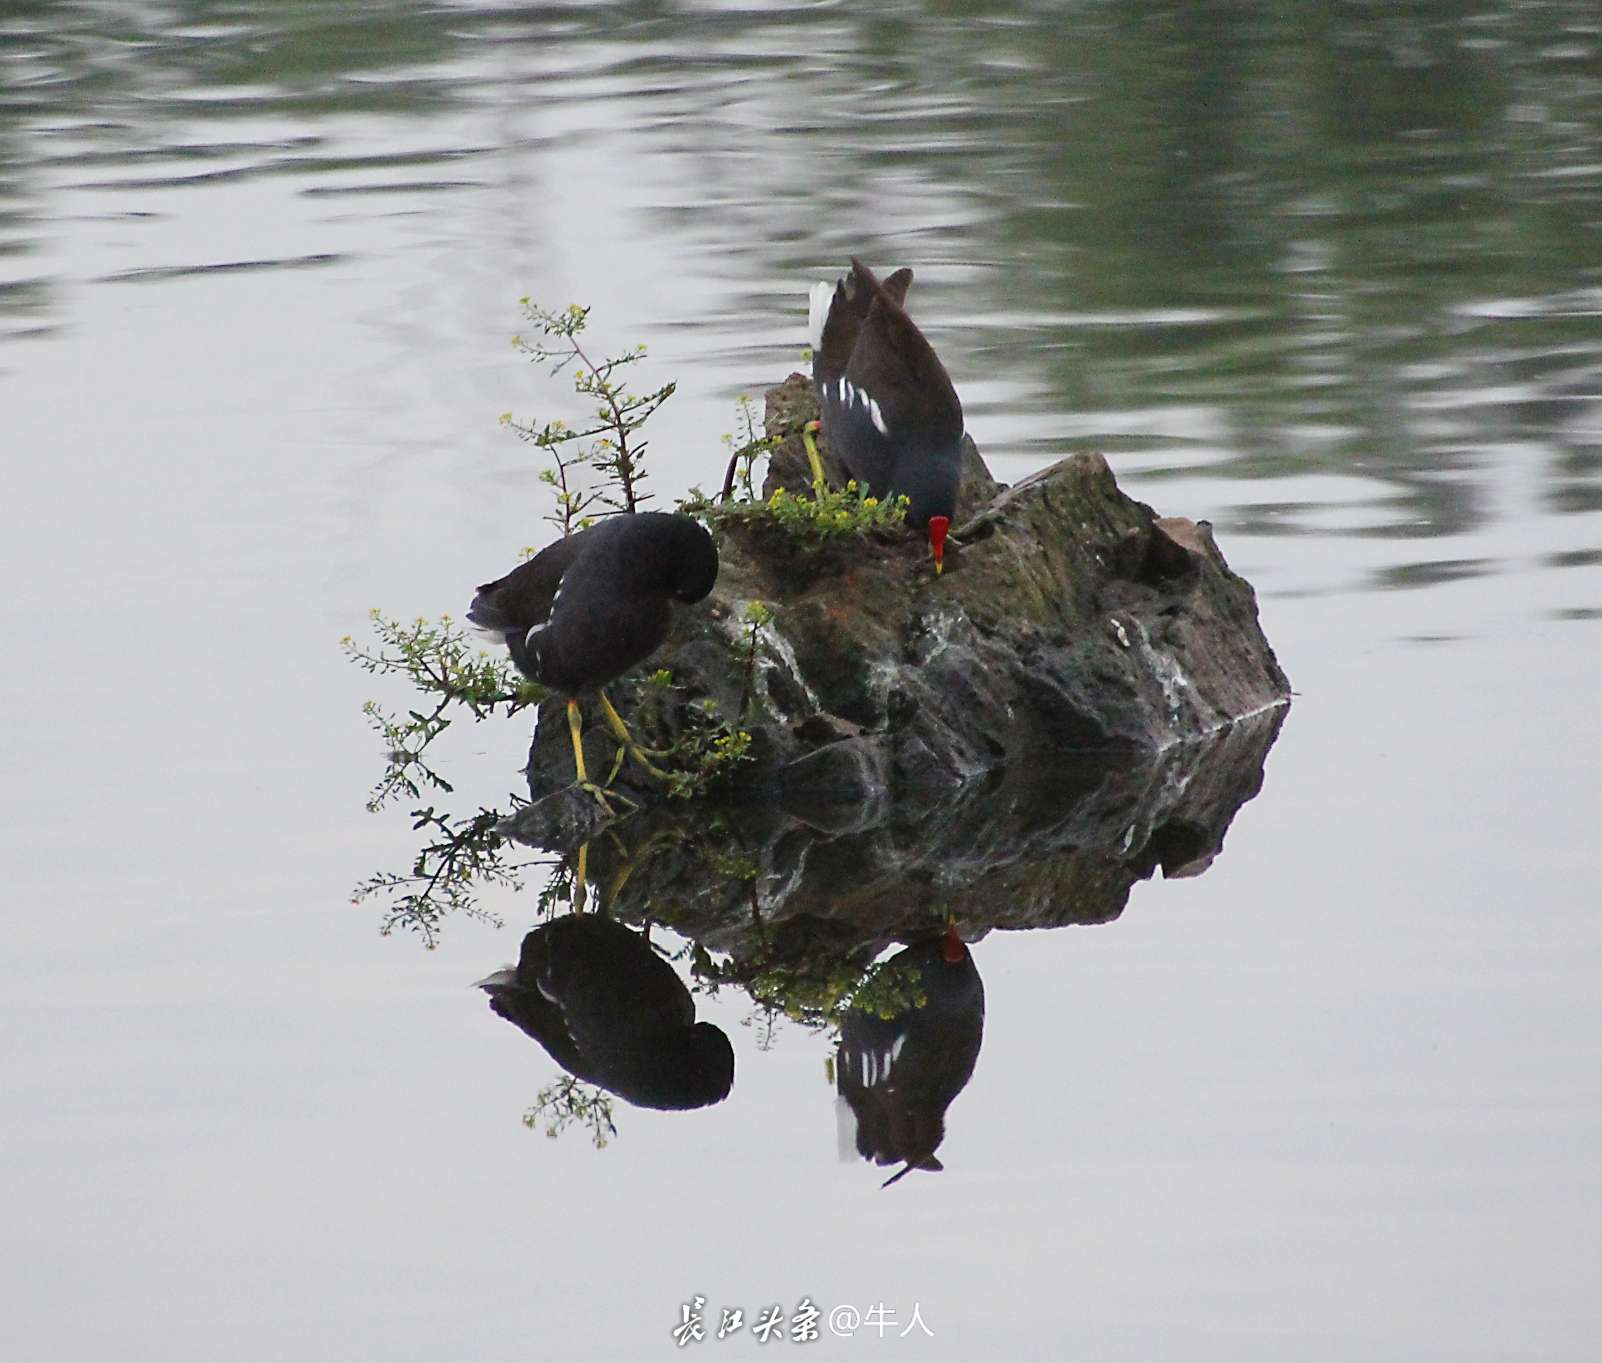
(568, 1102)
(828, 514)
(752, 444)
(757, 615)
(813, 987)
(706, 751)
(596, 467)
(446, 874)
(609, 444)
(439, 659)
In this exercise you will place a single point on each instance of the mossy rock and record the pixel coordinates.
(1070, 619)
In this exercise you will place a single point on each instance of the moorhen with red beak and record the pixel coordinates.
(591, 606)
(897, 1075)
(888, 404)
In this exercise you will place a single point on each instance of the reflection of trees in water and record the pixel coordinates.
(1338, 203)
(1357, 238)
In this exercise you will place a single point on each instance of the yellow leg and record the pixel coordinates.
(580, 877)
(807, 433)
(575, 725)
(615, 723)
(641, 855)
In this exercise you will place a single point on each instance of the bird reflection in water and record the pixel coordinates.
(612, 1012)
(897, 1075)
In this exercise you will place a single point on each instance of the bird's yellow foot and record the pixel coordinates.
(604, 798)
(575, 725)
(615, 722)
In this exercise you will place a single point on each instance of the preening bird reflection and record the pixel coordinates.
(898, 1069)
(609, 1010)
(790, 904)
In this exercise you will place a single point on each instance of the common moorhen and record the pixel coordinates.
(589, 607)
(888, 405)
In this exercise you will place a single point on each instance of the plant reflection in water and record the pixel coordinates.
(792, 903)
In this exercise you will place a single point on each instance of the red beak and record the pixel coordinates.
(953, 949)
(938, 525)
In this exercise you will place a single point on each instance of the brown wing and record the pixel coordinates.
(894, 364)
(848, 310)
(522, 599)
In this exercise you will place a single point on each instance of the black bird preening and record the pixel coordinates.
(888, 404)
(612, 1012)
(589, 607)
(898, 1075)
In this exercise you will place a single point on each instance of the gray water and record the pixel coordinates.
(1330, 277)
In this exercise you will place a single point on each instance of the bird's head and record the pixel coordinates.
(709, 1060)
(931, 484)
(694, 563)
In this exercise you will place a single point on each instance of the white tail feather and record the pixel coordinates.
(845, 1130)
(503, 978)
(818, 311)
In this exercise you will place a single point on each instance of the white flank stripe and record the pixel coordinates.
(878, 417)
(818, 310)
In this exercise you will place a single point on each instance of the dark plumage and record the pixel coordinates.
(612, 1012)
(888, 405)
(589, 607)
(898, 1075)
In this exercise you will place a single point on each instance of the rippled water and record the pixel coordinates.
(1327, 277)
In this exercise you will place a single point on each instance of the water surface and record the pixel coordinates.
(1327, 277)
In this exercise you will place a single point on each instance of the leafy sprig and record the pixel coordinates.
(747, 444)
(828, 514)
(446, 875)
(608, 444)
(569, 1102)
(442, 662)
